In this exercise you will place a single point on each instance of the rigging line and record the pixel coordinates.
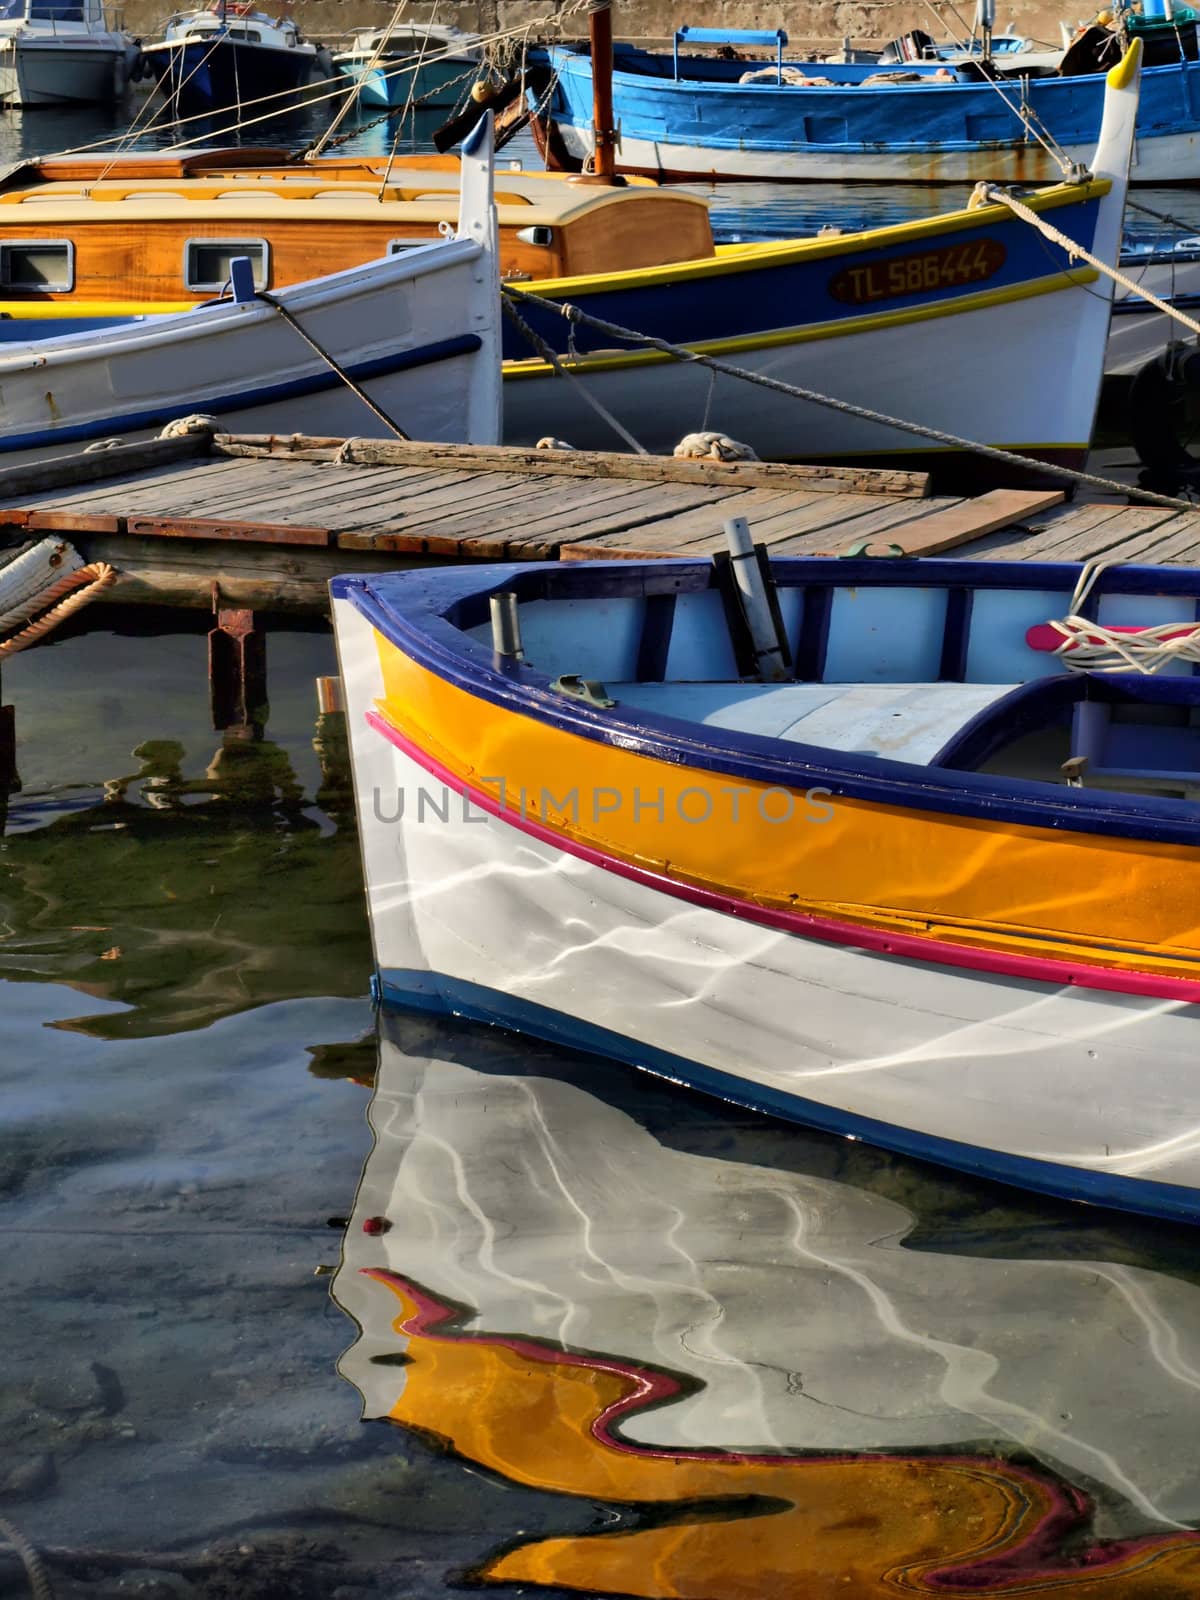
(352, 98)
(334, 92)
(992, 452)
(1003, 197)
(550, 357)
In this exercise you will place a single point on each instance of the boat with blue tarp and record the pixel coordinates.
(748, 112)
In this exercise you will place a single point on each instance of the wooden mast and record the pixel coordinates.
(604, 133)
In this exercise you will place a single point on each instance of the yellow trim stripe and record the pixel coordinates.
(732, 258)
(1115, 903)
(48, 310)
(844, 327)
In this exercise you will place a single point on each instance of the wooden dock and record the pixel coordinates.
(263, 523)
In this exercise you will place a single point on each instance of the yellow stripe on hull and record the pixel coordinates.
(781, 253)
(1113, 903)
(842, 327)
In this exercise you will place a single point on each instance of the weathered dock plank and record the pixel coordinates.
(269, 521)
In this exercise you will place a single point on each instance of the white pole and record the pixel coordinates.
(772, 668)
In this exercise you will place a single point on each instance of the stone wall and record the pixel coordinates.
(816, 21)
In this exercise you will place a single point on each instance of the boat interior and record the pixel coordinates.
(949, 665)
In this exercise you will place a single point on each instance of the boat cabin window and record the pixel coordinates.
(251, 35)
(37, 264)
(206, 262)
(397, 247)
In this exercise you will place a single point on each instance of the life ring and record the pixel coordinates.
(1156, 413)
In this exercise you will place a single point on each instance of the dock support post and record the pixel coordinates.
(237, 670)
(9, 781)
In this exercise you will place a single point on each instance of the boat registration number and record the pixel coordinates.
(949, 267)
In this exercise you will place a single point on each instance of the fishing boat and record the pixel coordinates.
(904, 850)
(418, 64)
(63, 52)
(971, 314)
(736, 1344)
(229, 58)
(760, 116)
(418, 331)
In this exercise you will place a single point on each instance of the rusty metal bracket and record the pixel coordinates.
(237, 669)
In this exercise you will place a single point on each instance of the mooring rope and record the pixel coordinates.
(35, 1568)
(332, 364)
(97, 577)
(956, 441)
(1056, 236)
(551, 358)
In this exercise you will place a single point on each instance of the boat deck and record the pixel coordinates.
(269, 521)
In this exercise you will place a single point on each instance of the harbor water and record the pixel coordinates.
(612, 1337)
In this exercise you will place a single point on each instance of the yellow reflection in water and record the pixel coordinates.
(867, 1525)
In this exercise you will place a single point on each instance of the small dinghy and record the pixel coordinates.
(904, 850)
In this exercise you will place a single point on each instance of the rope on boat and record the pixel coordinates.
(355, 388)
(1089, 646)
(80, 587)
(551, 358)
(992, 452)
(1077, 251)
(35, 1569)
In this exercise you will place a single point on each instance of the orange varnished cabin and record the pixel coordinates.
(150, 231)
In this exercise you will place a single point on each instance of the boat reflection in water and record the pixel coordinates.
(770, 1393)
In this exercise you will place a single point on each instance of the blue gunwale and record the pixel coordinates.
(423, 614)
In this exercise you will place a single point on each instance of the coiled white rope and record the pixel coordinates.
(1090, 646)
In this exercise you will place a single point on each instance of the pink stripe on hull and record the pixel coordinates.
(907, 946)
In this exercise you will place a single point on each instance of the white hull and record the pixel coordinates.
(1040, 388)
(1054, 1079)
(1171, 158)
(62, 71)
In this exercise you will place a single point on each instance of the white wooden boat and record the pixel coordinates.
(62, 52)
(419, 330)
(872, 896)
(533, 1238)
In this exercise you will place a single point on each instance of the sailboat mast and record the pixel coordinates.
(604, 134)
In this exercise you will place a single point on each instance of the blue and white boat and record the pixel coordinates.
(690, 116)
(420, 65)
(231, 57)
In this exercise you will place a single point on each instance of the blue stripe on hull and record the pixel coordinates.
(798, 294)
(436, 994)
(245, 399)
